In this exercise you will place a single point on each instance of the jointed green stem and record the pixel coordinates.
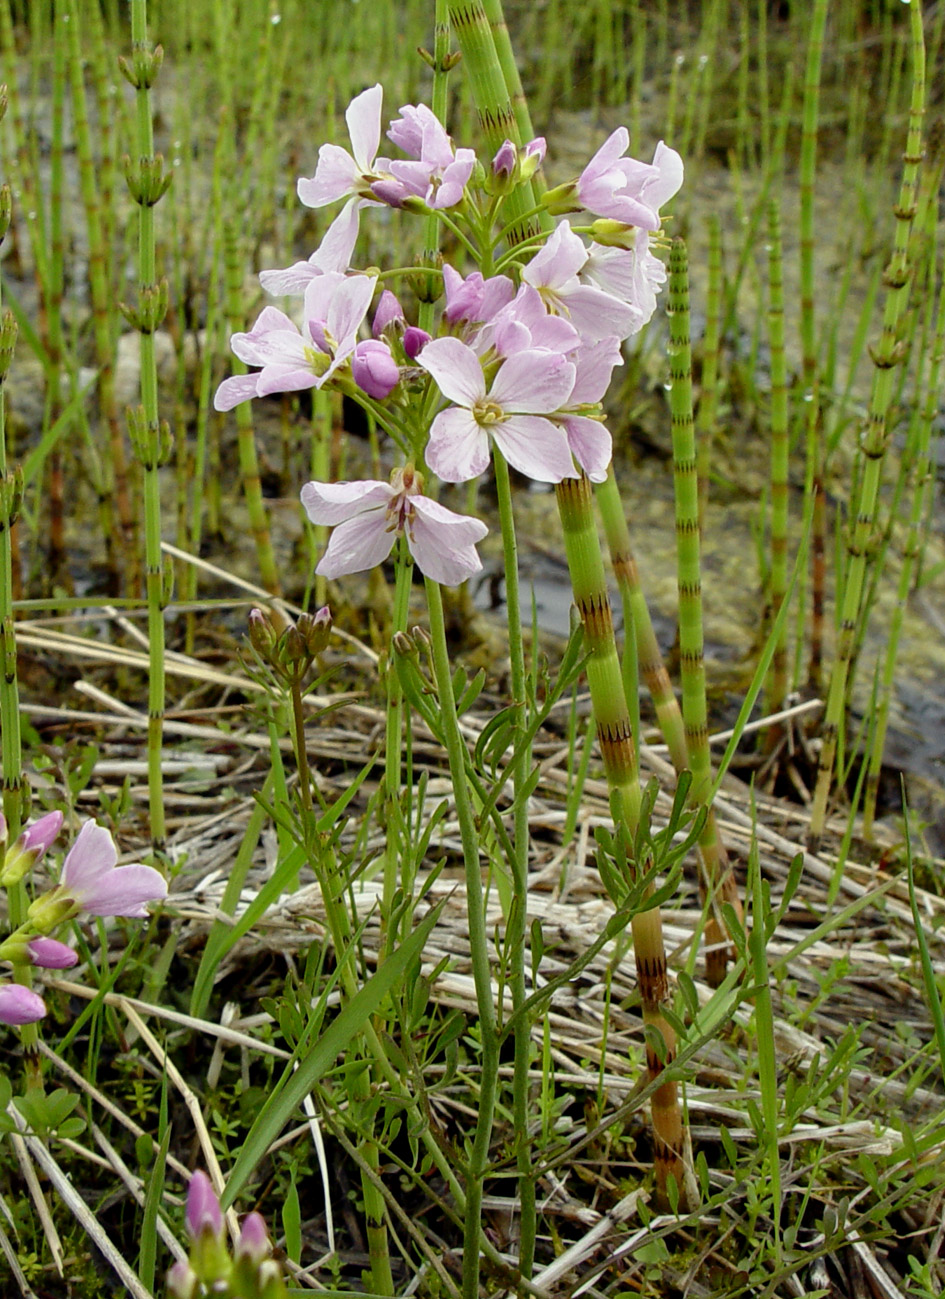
(875, 436)
(777, 586)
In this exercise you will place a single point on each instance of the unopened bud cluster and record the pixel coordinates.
(290, 651)
(210, 1269)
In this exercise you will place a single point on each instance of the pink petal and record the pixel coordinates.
(595, 365)
(203, 1208)
(443, 543)
(333, 503)
(361, 543)
(349, 307)
(123, 892)
(284, 378)
(458, 448)
(363, 116)
(336, 176)
(50, 954)
(277, 346)
(456, 370)
(294, 279)
(92, 856)
(596, 315)
(562, 256)
(240, 387)
(535, 447)
(670, 166)
(533, 382)
(591, 445)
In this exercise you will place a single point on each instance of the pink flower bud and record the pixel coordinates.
(203, 1208)
(415, 340)
(503, 164)
(30, 847)
(19, 1005)
(50, 954)
(389, 313)
(374, 369)
(182, 1281)
(254, 1239)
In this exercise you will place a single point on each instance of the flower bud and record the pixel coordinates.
(29, 848)
(262, 634)
(19, 1005)
(532, 157)
(254, 1242)
(203, 1208)
(415, 340)
(388, 316)
(182, 1281)
(374, 370)
(315, 629)
(504, 168)
(50, 954)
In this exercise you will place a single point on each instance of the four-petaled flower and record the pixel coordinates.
(92, 882)
(528, 386)
(369, 516)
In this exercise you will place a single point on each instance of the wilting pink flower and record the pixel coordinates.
(203, 1211)
(96, 885)
(50, 954)
(19, 1005)
(526, 387)
(554, 271)
(340, 174)
(334, 307)
(373, 369)
(369, 516)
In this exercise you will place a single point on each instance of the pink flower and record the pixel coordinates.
(369, 516)
(529, 385)
(254, 1239)
(626, 190)
(335, 305)
(436, 174)
(203, 1211)
(554, 272)
(525, 323)
(91, 879)
(474, 299)
(340, 174)
(633, 275)
(19, 1005)
(50, 954)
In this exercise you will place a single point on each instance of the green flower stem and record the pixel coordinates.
(150, 439)
(478, 943)
(393, 752)
(246, 442)
(518, 914)
(875, 437)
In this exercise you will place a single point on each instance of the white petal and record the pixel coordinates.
(535, 447)
(591, 445)
(456, 369)
(332, 503)
(363, 116)
(458, 448)
(533, 382)
(443, 543)
(359, 544)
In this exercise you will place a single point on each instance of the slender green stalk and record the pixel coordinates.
(719, 879)
(15, 793)
(709, 399)
(814, 455)
(922, 488)
(54, 290)
(115, 483)
(478, 944)
(518, 913)
(777, 585)
(875, 437)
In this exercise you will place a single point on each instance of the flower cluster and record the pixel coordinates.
(210, 1269)
(90, 882)
(525, 343)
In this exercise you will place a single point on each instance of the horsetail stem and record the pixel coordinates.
(719, 879)
(706, 412)
(874, 438)
(150, 437)
(777, 584)
(104, 328)
(814, 453)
